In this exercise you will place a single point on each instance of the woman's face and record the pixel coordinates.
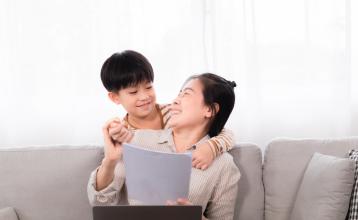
(188, 109)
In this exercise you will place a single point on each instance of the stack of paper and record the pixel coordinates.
(152, 177)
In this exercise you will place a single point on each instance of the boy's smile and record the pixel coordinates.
(145, 104)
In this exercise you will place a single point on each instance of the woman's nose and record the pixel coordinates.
(176, 101)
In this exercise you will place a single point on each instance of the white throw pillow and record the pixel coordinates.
(325, 189)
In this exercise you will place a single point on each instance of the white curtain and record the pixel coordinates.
(293, 62)
(293, 67)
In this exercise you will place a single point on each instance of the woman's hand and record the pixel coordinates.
(112, 153)
(112, 150)
(182, 201)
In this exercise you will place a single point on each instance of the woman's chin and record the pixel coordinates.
(173, 122)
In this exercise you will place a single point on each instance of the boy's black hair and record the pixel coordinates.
(128, 68)
(217, 90)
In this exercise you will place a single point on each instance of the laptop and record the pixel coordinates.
(156, 212)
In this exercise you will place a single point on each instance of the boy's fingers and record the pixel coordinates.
(116, 119)
(116, 131)
(110, 121)
(128, 137)
(195, 162)
(113, 124)
(204, 167)
(123, 132)
(124, 137)
(121, 135)
(111, 131)
(194, 153)
(199, 165)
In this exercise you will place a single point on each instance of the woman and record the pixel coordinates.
(200, 111)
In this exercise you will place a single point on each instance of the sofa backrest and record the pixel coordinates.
(284, 165)
(48, 183)
(44, 183)
(250, 198)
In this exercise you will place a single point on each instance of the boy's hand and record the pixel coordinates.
(118, 132)
(202, 156)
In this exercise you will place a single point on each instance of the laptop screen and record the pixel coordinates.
(158, 212)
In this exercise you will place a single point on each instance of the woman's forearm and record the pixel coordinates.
(105, 174)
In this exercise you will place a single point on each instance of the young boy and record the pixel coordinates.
(128, 78)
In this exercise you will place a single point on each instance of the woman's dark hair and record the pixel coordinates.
(128, 68)
(217, 90)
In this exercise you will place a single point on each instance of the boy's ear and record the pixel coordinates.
(114, 97)
(212, 112)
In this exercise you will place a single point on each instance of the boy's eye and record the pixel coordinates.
(133, 92)
(148, 87)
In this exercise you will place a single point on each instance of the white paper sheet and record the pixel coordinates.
(153, 177)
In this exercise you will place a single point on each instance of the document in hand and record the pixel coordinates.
(154, 177)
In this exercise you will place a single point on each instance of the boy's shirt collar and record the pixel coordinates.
(133, 128)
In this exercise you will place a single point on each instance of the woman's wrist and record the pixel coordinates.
(105, 174)
(108, 165)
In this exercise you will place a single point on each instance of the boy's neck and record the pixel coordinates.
(152, 121)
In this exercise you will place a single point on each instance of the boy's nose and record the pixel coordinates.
(143, 96)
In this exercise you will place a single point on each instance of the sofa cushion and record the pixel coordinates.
(284, 165)
(8, 213)
(48, 182)
(353, 206)
(325, 189)
(250, 198)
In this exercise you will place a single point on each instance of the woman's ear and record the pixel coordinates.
(211, 112)
(114, 97)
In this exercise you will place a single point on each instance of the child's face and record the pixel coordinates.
(138, 101)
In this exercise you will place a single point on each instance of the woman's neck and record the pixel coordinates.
(185, 138)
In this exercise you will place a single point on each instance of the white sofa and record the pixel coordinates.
(49, 183)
